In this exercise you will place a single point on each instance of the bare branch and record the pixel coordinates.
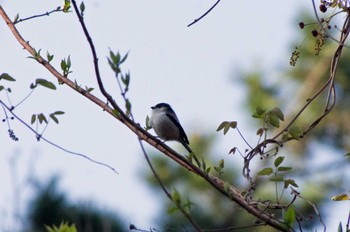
(40, 137)
(208, 11)
(58, 9)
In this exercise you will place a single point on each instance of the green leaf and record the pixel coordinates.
(128, 107)
(16, 18)
(124, 58)
(276, 178)
(259, 112)
(89, 89)
(278, 161)
(233, 124)
(222, 126)
(66, 6)
(273, 120)
(221, 163)
(289, 216)
(347, 154)
(33, 119)
(45, 83)
(49, 57)
(207, 170)
(2, 87)
(42, 118)
(147, 122)
(295, 132)
(7, 77)
(227, 127)
(68, 62)
(58, 112)
(288, 182)
(277, 111)
(54, 118)
(284, 169)
(176, 197)
(260, 132)
(82, 8)
(203, 165)
(265, 172)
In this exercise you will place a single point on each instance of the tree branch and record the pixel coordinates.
(227, 190)
(207, 12)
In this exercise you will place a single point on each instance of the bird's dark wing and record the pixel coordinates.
(183, 135)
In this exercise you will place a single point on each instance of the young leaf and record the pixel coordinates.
(273, 120)
(222, 126)
(221, 163)
(54, 118)
(265, 172)
(42, 118)
(284, 169)
(276, 111)
(204, 165)
(233, 124)
(49, 57)
(289, 216)
(278, 161)
(124, 58)
(295, 132)
(58, 112)
(288, 182)
(176, 197)
(16, 18)
(259, 112)
(7, 77)
(82, 8)
(276, 178)
(227, 127)
(33, 119)
(45, 83)
(66, 6)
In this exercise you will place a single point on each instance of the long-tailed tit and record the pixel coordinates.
(167, 126)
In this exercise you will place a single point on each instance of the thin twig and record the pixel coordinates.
(235, 228)
(314, 207)
(208, 11)
(58, 9)
(160, 182)
(40, 137)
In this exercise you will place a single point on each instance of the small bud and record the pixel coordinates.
(314, 33)
(323, 8)
(301, 25)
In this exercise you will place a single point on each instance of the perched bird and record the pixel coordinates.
(167, 126)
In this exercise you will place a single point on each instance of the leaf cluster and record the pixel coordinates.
(276, 173)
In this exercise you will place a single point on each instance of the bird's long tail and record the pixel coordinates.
(190, 151)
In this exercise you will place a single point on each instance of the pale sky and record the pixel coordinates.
(190, 68)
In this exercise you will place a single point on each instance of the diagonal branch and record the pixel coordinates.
(225, 189)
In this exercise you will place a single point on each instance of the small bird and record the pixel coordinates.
(167, 126)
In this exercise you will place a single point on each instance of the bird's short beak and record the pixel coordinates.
(153, 107)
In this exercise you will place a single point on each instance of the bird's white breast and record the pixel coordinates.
(164, 127)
